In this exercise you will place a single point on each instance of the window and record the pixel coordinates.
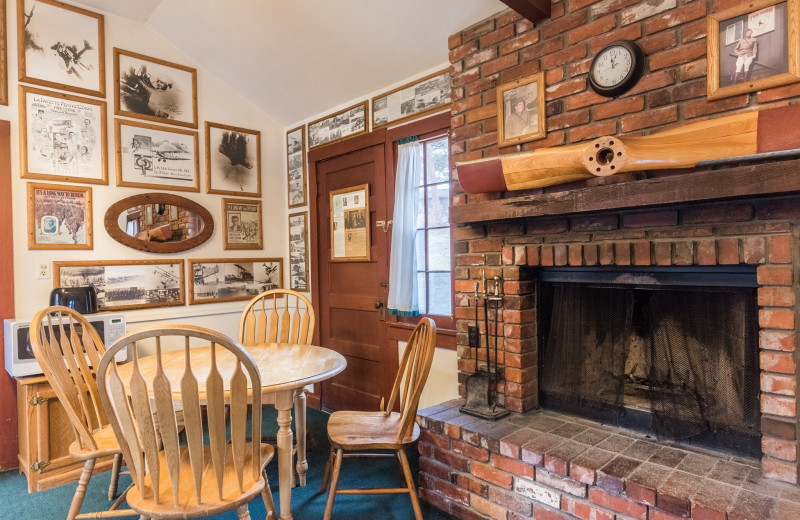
(433, 230)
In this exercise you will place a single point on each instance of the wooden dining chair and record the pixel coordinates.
(209, 472)
(366, 432)
(68, 350)
(282, 316)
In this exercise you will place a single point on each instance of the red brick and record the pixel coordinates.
(776, 340)
(564, 23)
(582, 474)
(701, 107)
(693, 31)
(776, 296)
(683, 54)
(776, 318)
(561, 483)
(592, 131)
(774, 275)
(566, 88)
(616, 108)
(778, 384)
(645, 10)
(695, 69)
(777, 469)
(478, 30)
(503, 33)
(513, 466)
(702, 512)
(728, 249)
(521, 41)
(583, 510)
(774, 94)
(548, 46)
(754, 250)
(657, 514)
(595, 28)
(560, 255)
(547, 255)
(641, 252)
(777, 405)
(486, 507)
(650, 219)
(456, 462)
(650, 118)
(584, 99)
(683, 253)
(681, 15)
(780, 249)
(618, 503)
(779, 449)
(707, 252)
(542, 513)
(631, 32)
(492, 475)
(606, 253)
(532, 255)
(663, 253)
(622, 253)
(590, 254)
(575, 254)
(654, 80)
(772, 361)
(500, 64)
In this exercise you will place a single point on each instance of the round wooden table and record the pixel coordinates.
(285, 369)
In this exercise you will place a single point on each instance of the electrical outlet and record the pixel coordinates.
(473, 336)
(43, 271)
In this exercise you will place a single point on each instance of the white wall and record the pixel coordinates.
(217, 102)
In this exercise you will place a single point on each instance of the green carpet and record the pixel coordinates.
(307, 502)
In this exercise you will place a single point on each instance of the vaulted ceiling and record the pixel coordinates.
(297, 58)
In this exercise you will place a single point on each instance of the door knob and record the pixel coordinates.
(378, 304)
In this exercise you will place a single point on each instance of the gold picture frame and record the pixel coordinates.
(59, 216)
(232, 279)
(233, 160)
(3, 55)
(297, 185)
(518, 103)
(753, 46)
(350, 225)
(413, 100)
(243, 224)
(61, 46)
(344, 124)
(147, 283)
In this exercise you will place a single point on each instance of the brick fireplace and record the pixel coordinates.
(546, 464)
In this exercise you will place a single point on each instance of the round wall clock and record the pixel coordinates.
(616, 68)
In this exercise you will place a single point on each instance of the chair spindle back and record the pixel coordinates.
(277, 316)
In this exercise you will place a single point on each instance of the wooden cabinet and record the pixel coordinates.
(45, 434)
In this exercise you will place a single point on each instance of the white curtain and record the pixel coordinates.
(403, 300)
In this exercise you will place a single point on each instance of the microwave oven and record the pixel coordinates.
(20, 361)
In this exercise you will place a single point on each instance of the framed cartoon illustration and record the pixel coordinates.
(296, 166)
(61, 46)
(59, 216)
(233, 279)
(242, 220)
(155, 90)
(520, 111)
(233, 160)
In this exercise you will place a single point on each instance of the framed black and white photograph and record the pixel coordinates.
(156, 157)
(753, 46)
(346, 123)
(3, 55)
(154, 89)
(298, 251)
(296, 166)
(233, 160)
(126, 284)
(233, 279)
(242, 218)
(412, 100)
(520, 110)
(59, 216)
(61, 46)
(63, 137)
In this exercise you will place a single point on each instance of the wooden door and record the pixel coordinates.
(351, 295)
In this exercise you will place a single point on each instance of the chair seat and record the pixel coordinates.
(367, 430)
(210, 502)
(106, 445)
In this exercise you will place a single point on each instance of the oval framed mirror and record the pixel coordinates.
(159, 223)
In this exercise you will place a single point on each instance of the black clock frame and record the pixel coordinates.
(633, 76)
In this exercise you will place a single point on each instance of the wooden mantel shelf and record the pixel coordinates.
(741, 181)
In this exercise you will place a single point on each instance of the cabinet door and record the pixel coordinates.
(51, 431)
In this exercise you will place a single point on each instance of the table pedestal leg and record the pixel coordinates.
(283, 403)
(300, 422)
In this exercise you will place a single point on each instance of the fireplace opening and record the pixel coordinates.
(670, 352)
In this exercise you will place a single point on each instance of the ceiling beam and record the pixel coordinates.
(533, 10)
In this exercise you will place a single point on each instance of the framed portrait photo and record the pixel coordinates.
(298, 251)
(412, 100)
(350, 229)
(242, 218)
(126, 284)
(3, 55)
(520, 111)
(61, 46)
(350, 122)
(63, 137)
(233, 279)
(59, 216)
(156, 157)
(753, 46)
(154, 89)
(296, 167)
(233, 160)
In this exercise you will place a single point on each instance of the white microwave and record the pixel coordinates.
(19, 354)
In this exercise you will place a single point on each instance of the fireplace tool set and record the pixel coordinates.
(482, 385)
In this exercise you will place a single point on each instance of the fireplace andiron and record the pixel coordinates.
(482, 385)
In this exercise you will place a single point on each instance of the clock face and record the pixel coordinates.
(612, 66)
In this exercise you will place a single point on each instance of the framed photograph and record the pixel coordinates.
(63, 137)
(350, 229)
(242, 219)
(349, 122)
(233, 160)
(520, 111)
(59, 216)
(412, 100)
(154, 89)
(298, 251)
(61, 46)
(155, 157)
(296, 166)
(753, 46)
(3, 55)
(126, 284)
(148, 215)
(233, 279)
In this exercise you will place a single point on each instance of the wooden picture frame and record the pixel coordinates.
(156, 157)
(3, 55)
(412, 100)
(753, 46)
(126, 284)
(154, 89)
(62, 137)
(298, 252)
(242, 221)
(61, 46)
(296, 182)
(232, 279)
(350, 225)
(350, 122)
(233, 160)
(521, 115)
(59, 216)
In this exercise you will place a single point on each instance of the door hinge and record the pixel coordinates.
(37, 400)
(40, 465)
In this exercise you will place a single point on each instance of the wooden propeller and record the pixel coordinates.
(681, 147)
